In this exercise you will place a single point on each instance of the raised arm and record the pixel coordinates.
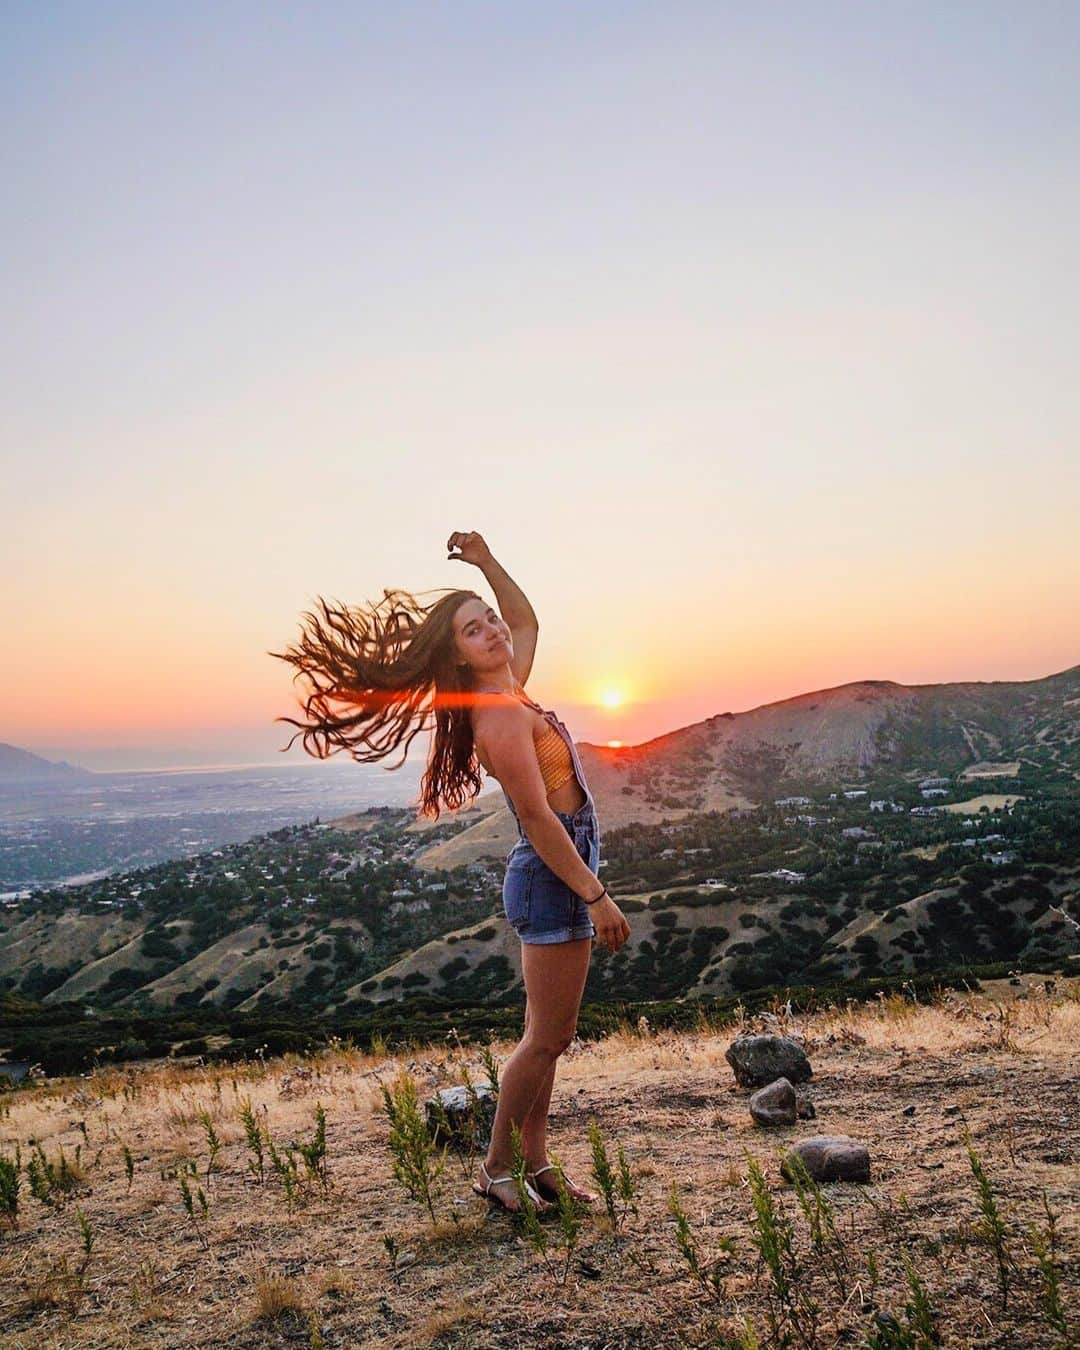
(513, 604)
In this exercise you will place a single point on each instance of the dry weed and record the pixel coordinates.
(336, 1282)
(276, 1296)
(458, 1313)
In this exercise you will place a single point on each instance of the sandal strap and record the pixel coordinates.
(571, 1185)
(550, 1167)
(494, 1181)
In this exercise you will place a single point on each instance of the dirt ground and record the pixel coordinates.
(1001, 1064)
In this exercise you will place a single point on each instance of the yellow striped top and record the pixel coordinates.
(556, 766)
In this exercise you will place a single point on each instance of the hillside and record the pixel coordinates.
(931, 856)
(718, 903)
(850, 734)
(358, 1263)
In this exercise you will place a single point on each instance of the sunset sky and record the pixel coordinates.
(746, 335)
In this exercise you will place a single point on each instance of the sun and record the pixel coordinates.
(612, 698)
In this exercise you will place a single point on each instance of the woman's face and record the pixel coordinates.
(481, 638)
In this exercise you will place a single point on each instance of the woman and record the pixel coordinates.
(389, 670)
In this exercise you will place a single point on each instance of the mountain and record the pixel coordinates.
(961, 850)
(18, 764)
(853, 733)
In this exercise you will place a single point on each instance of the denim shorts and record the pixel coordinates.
(538, 904)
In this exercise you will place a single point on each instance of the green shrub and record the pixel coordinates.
(416, 1163)
(9, 1189)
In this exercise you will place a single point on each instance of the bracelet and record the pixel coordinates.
(597, 900)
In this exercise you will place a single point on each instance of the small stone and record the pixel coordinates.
(461, 1121)
(760, 1060)
(774, 1104)
(831, 1158)
(908, 1111)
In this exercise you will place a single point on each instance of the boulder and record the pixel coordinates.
(455, 1117)
(775, 1104)
(830, 1158)
(760, 1060)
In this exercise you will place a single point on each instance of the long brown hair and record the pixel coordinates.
(381, 674)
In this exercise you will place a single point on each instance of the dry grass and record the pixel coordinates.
(993, 801)
(275, 1296)
(1002, 1064)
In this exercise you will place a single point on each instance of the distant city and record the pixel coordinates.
(79, 827)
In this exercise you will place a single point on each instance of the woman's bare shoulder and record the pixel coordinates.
(501, 719)
(500, 711)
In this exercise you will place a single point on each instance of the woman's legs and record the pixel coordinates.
(534, 1129)
(555, 976)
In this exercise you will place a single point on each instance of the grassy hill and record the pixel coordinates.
(841, 833)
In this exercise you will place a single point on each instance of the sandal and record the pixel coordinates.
(553, 1191)
(538, 1200)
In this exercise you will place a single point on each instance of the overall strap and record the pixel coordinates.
(521, 697)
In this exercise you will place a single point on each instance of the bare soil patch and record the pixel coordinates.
(993, 769)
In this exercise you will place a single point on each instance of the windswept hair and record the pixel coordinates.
(380, 674)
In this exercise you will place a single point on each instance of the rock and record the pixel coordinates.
(760, 1060)
(774, 1104)
(804, 1107)
(454, 1118)
(831, 1158)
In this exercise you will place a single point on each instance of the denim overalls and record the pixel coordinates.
(539, 905)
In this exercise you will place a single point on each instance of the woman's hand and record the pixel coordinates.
(472, 546)
(611, 926)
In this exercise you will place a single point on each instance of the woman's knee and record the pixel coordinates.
(548, 1042)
